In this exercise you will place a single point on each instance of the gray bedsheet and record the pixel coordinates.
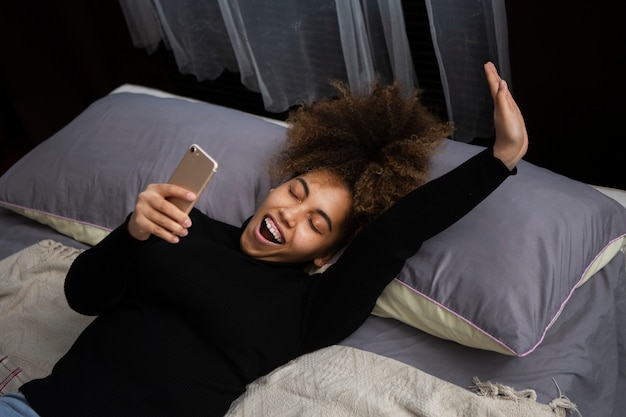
(18, 232)
(583, 354)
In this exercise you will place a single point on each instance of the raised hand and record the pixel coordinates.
(511, 136)
(155, 215)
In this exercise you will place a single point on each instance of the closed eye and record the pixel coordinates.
(305, 190)
(294, 195)
(312, 224)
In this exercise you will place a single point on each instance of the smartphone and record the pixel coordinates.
(193, 173)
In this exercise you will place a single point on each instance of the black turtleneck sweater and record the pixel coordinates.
(181, 329)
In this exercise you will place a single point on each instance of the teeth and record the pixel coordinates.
(273, 231)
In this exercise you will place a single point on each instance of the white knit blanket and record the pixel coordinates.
(341, 381)
(37, 327)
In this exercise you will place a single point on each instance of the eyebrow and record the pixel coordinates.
(322, 213)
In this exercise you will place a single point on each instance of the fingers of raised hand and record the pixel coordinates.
(493, 78)
(155, 215)
(511, 135)
(508, 110)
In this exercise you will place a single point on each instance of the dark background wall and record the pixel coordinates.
(567, 74)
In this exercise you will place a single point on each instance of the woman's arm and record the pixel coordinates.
(97, 279)
(344, 296)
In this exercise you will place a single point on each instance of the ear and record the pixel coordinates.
(323, 260)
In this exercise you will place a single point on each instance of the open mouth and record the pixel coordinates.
(270, 232)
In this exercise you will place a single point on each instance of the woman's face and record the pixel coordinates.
(299, 221)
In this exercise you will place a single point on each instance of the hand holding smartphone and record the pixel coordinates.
(193, 173)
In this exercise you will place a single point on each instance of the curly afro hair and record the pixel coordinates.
(379, 144)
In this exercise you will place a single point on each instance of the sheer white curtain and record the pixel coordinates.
(466, 34)
(288, 50)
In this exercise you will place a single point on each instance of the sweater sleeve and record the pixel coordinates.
(343, 297)
(97, 278)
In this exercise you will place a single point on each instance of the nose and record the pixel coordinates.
(290, 215)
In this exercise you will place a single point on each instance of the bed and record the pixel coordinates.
(522, 300)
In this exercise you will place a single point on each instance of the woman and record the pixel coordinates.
(189, 315)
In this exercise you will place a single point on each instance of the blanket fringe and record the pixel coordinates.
(560, 406)
(495, 390)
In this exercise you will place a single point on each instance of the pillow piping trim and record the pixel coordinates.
(45, 213)
(584, 278)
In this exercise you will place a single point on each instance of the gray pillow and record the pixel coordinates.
(499, 278)
(495, 280)
(84, 180)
